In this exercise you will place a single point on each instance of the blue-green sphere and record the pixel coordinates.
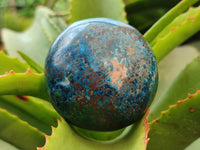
(101, 74)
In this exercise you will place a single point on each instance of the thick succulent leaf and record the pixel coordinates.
(19, 133)
(35, 111)
(63, 137)
(187, 25)
(8, 63)
(175, 23)
(186, 82)
(28, 83)
(177, 127)
(36, 40)
(97, 8)
(31, 110)
(168, 18)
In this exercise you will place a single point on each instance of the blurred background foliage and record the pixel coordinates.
(140, 13)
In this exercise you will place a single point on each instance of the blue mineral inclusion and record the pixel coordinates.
(101, 74)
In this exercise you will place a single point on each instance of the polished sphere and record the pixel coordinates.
(101, 74)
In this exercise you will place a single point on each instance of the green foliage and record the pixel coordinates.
(182, 28)
(31, 110)
(177, 127)
(134, 139)
(186, 82)
(36, 40)
(14, 21)
(19, 133)
(8, 63)
(166, 19)
(27, 83)
(27, 120)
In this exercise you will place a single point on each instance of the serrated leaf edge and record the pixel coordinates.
(192, 18)
(11, 72)
(173, 29)
(48, 136)
(43, 96)
(21, 122)
(12, 58)
(174, 105)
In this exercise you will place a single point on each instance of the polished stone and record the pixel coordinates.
(101, 74)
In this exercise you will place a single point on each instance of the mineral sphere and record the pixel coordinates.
(101, 74)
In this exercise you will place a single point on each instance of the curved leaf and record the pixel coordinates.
(29, 83)
(186, 82)
(187, 25)
(175, 24)
(167, 18)
(170, 67)
(31, 110)
(8, 63)
(19, 133)
(177, 127)
(63, 137)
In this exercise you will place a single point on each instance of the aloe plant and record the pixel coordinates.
(28, 120)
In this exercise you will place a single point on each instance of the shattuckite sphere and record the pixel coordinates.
(101, 74)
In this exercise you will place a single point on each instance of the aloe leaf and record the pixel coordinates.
(19, 133)
(187, 25)
(31, 110)
(31, 62)
(177, 127)
(97, 8)
(175, 23)
(186, 82)
(167, 18)
(9, 63)
(33, 42)
(28, 83)
(63, 137)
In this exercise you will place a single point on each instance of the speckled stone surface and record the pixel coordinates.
(101, 74)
